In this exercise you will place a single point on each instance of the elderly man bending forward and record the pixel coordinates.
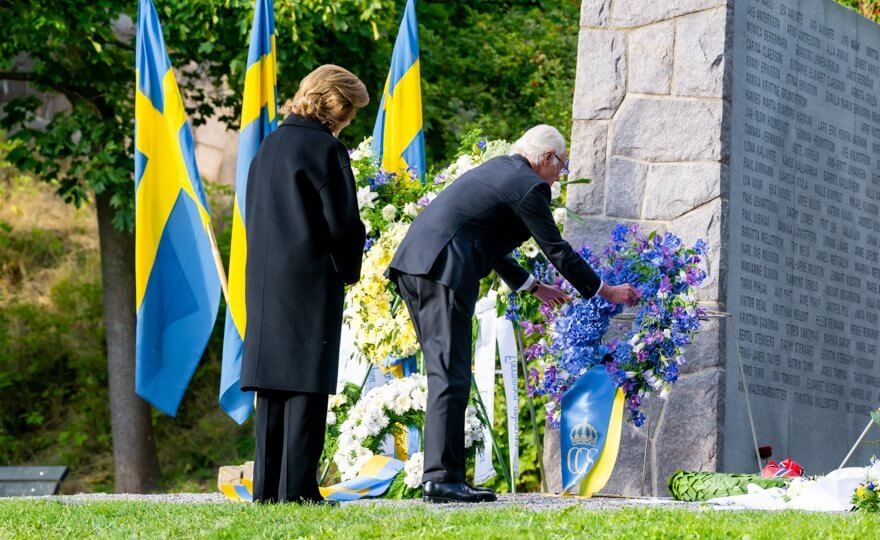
(468, 231)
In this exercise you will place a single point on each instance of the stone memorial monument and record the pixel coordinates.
(754, 124)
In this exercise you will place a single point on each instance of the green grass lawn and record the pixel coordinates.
(50, 519)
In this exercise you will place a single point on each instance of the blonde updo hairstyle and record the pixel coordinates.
(329, 95)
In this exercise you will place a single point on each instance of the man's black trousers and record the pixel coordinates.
(290, 437)
(443, 325)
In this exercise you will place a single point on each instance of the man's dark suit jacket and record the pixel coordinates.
(473, 225)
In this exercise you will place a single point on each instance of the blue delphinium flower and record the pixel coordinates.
(647, 358)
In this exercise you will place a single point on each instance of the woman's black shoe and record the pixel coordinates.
(451, 492)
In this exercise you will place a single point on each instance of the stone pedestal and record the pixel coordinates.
(754, 125)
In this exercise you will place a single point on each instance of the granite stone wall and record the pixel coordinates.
(650, 109)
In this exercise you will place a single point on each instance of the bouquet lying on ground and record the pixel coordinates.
(648, 357)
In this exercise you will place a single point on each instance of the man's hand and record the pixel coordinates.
(620, 294)
(551, 295)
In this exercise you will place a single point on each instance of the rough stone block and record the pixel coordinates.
(700, 54)
(595, 230)
(595, 12)
(588, 148)
(630, 13)
(212, 132)
(600, 81)
(707, 349)
(627, 477)
(228, 474)
(209, 160)
(551, 459)
(626, 187)
(672, 190)
(663, 129)
(230, 160)
(690, 430)
(650, 59)
(706, 222)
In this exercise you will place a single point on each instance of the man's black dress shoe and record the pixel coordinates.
(448, 492)
(480, 489)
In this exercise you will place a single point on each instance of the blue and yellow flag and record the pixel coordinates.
(589, 432)
(258, 119)
(398, 138)
(177, 281)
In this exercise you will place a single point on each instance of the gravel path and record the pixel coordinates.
(531, 501)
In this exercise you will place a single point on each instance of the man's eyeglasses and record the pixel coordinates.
(564, 164)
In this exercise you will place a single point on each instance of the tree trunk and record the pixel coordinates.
(134, 450)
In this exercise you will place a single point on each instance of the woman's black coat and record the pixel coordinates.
(305, 241)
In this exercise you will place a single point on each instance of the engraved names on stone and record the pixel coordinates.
(805, 208)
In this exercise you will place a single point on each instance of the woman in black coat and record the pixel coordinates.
(305, 242)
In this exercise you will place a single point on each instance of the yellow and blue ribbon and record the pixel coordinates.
(243, 492)
(373, 480)
(590, 428)
(177, 286)
(398, 136)
(258, 119)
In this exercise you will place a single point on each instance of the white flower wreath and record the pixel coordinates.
(400, 401)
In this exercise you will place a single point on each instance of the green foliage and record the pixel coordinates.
(339, 407)
(702, 486)
(868, 8)
(53, 380)
(470, 76)
(71, 48)
(866, 497)
(399, 490)
(499, 66)
(22, 252)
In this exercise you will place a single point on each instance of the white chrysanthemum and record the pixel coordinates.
(873, 472)
(370, 416)
(530, 248)
(413, 469)
(797, 486)
(337, 401)
(559, 215)
(463, 164)
(389, 212)
(331, 418)
(363, 150)
(411, 209)
(366, 196)
(473, 428)
(556, 190)
(495, 149)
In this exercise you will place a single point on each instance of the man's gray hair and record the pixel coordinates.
(536, 141)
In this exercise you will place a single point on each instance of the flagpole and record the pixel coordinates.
(218, 262)
(857, 443)
(534, 417)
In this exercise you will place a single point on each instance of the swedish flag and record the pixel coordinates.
(177, 281)
(258, 119)
(398, 138)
